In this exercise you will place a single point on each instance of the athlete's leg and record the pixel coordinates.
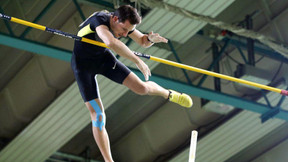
(151, 88)
(84, 72)
(98, 118)
(144, 88)
(118, 72)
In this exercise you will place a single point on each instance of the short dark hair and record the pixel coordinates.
(127, 12)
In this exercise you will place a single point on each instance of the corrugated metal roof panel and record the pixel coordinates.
(161, 21)
(151, 19)
(189, 31)
(168, 24)
(232, 137)
(193, 5)
(173, 2)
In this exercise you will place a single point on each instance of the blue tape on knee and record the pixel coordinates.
(99, 113)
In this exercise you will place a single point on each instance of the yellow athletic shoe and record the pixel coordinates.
(180, 98)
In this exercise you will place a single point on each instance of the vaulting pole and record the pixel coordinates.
(54, 31)
(175, 64)
(226, 77)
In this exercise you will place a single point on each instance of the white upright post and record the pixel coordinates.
(193, 144)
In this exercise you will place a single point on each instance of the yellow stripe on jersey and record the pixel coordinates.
(85, 31)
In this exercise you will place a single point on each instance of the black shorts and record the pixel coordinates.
(86, 69)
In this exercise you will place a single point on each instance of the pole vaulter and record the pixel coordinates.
(175, 64)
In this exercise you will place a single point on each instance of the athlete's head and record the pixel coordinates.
(124, 19)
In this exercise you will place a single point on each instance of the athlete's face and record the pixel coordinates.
(121, 29)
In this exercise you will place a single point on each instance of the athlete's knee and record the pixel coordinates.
(142, 89)
(98, 117)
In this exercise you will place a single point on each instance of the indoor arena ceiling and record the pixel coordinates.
(43, 117)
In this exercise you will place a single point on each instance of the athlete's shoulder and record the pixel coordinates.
(103, 15)
(101, 18)
(96, 19)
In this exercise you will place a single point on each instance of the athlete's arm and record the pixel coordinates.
(146, 40)
(140, 38)
(121, 49)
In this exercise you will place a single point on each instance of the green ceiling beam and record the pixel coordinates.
(35, 47)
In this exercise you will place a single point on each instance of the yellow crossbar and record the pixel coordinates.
(175, 64)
